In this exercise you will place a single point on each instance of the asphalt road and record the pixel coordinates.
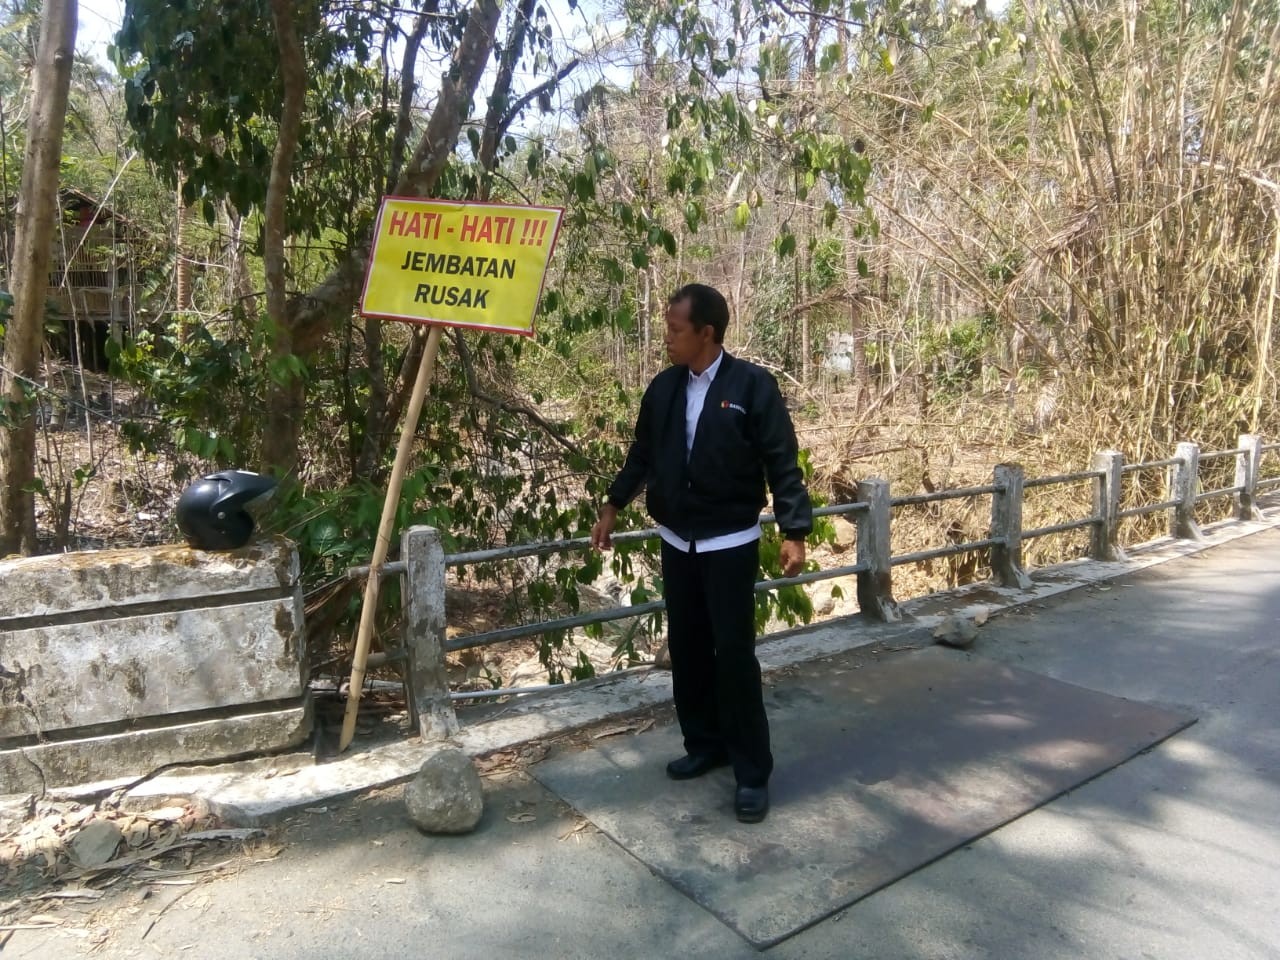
(1175, 854)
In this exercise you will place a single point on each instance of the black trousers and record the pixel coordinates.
(711, 633)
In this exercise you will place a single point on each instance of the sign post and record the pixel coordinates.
(476, 265)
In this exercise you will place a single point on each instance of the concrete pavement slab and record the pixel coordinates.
(885, 763)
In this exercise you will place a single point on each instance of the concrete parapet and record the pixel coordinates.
(117, 662)
(102, 579)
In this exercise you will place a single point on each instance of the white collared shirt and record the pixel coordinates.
(695, 397)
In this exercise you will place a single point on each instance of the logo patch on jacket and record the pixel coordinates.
(730, 405)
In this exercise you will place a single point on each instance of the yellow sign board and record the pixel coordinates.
(459, 264)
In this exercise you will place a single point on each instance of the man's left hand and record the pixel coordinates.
(792, 557)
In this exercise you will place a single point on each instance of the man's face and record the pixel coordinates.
(685, 344)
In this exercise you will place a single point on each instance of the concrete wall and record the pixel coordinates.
(115, 662)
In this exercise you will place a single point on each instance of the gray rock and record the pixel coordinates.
(956, 632)
(846, 534)
(96, 843)
(446, 795)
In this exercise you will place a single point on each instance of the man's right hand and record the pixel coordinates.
(602, 532)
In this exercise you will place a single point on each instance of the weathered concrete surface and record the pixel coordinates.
(117, 662)
(1173, 856)
(75, 675)
(102, 579)
(139, 752)
(242, 797)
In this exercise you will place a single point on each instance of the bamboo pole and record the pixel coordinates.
(380, 547)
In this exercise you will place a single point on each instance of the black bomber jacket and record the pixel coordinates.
(744, 436)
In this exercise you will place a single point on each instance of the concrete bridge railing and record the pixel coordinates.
(423, 562)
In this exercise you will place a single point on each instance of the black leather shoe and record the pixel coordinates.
(751, 803)
(694, 765)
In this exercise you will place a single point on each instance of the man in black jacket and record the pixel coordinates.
(711, 430)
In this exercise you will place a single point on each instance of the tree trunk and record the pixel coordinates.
(308, 318)
(375, 415)
(382, 416)
(312, 315)
(285, 393)
(36, 218)
(181, 265)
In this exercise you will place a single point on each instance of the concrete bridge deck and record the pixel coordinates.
(1174, 854)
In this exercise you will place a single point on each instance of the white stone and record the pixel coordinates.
(14, 809)
(135, 753)
(956, 631)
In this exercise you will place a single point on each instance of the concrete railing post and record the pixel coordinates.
(1248, 464)
(875, 584)
(424, 631)
(1182, 490)
(1006, 525)
(1105, 542)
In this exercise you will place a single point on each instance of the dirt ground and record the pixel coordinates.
(93, 870)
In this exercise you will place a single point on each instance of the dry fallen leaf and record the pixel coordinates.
(575, 829)
(522, 818)
(71, 893)
(227, 833)
(611, 732)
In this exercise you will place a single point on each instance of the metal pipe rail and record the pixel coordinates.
(550, 626)
(813, 576)
(541, 688)
(578, 543)
(1222, 454)
(1269, 482)
(391, 569)
(623, 613)
(424, 562)
(939, 495)
(1060, 527)
(1061, 478)
(1149, 508)
(1220, 492)
(1151, 464)
(947, 551)
(541, 548)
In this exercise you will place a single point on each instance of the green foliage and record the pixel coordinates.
(956, 352)
(204, 388)
(203, 94)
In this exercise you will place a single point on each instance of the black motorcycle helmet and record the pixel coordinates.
(212, 512)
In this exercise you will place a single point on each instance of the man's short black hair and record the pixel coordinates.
(706, 307)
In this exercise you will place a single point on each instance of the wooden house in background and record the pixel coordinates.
(93, 280)
(92, 290)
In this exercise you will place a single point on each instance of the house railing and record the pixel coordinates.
(424, 563)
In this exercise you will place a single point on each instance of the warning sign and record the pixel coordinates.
(460, 264)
